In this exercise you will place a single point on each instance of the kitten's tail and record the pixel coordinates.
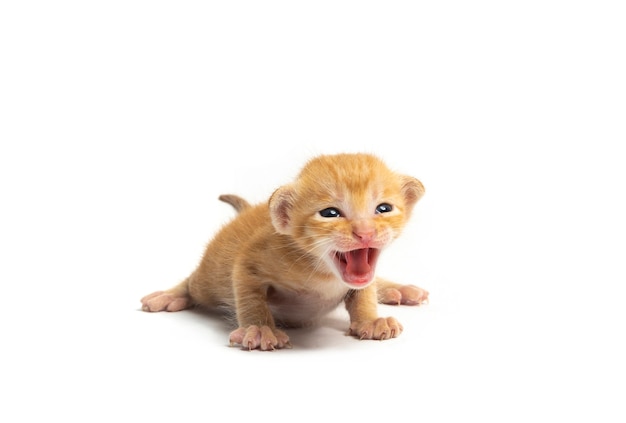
(234, 200)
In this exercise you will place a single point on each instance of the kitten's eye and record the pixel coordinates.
(384, 208)
(330, 212)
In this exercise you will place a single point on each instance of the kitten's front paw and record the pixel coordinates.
(403, 294)
(381, 328)
(263, 338)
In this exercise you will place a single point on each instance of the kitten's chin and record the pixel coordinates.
(358, 282)
(356, 267)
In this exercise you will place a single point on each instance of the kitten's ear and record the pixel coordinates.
(412, 189)
(280, 205)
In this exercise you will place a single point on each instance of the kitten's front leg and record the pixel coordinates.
(257, 329)
(364, 321)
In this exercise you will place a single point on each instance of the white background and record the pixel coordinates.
(122, 121)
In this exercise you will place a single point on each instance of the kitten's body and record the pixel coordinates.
(312, 246)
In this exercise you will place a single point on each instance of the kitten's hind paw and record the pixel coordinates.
(164, 301)
(402, 294)
(264, 338)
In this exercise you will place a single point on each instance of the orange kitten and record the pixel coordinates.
(315, 244)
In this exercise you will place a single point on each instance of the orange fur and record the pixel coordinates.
(313, 245)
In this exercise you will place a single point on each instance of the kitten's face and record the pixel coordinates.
(345, 209)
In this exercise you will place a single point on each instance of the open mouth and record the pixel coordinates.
(357, 267)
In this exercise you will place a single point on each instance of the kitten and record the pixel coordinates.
(314, 245)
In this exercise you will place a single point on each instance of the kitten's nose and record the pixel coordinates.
(364, 231)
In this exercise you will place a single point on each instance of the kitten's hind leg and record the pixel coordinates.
(174, 299)
(395, 294)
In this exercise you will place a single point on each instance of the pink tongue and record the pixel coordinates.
(357, 262)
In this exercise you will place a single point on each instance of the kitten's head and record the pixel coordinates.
(345, 209)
